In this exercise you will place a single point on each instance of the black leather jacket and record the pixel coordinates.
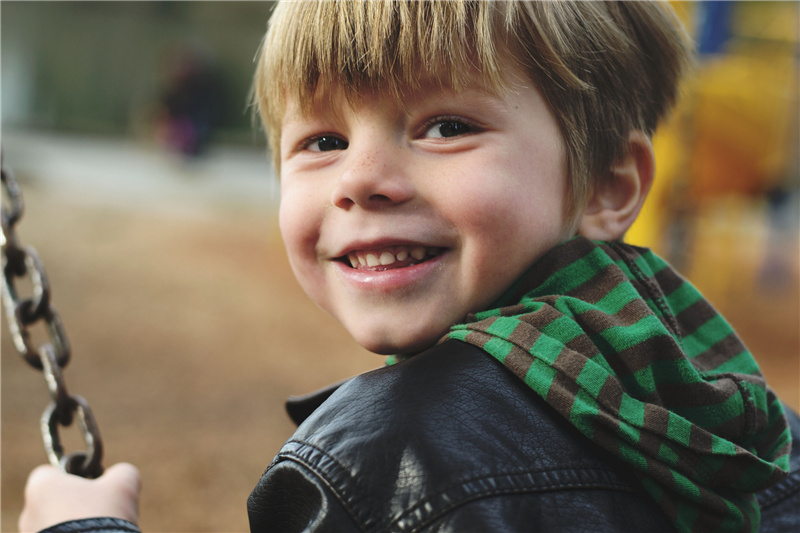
(452, 441)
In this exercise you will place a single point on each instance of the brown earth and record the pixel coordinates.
(189, 331)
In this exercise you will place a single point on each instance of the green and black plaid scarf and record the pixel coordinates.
(636, 359)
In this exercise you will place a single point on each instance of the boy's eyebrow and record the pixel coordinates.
(328, 107)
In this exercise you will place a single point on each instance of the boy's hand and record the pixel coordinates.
(53, 496)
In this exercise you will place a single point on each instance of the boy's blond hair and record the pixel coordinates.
(604, 68)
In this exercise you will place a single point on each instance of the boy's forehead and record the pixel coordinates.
(334, 97)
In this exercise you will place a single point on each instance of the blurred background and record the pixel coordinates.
(151, 200)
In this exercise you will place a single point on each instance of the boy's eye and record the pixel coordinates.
(326, 143)
(444, 128)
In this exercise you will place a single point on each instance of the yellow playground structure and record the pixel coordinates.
(724, 206)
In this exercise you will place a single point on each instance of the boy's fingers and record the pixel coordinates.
(41, 476)
(53, 496)
(123, 475)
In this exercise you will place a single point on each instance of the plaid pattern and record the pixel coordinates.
(636, 359)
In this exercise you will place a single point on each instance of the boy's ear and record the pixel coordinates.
(615, 202)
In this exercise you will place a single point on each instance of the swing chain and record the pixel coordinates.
(21, 261)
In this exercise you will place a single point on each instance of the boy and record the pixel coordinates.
(456, 179)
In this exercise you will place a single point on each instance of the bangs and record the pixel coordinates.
(378, 47)
(603, 68)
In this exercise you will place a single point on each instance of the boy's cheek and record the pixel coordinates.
(298, 222)
(299, 236)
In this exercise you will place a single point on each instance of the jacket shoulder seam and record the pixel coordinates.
(430, 507)
(434, 506)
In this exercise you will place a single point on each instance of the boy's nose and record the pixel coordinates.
(372, 180)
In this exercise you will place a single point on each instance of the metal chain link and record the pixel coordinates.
(21, 261)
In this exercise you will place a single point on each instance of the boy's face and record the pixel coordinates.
(401, 220)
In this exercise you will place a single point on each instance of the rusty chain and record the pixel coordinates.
(20, 261)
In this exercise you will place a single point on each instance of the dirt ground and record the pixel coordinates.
(188, 333)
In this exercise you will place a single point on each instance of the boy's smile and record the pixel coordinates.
(400, 220)
(391, 258)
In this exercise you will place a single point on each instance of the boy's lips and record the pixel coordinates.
(402, 274)
(389, 257)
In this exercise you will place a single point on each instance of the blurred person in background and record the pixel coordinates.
(191, 102)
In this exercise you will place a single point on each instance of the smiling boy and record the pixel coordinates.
(401, 220)
(456, 179)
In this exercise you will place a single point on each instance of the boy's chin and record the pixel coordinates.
(396, 344)
(394, 332)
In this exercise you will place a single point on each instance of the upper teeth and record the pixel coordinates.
(386, 257)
